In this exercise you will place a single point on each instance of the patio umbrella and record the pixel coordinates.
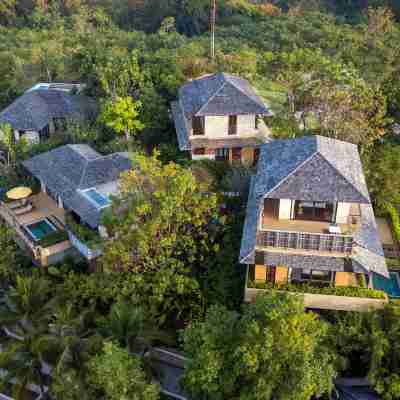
(19, 193)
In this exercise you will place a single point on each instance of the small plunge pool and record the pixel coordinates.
(38, 229)
(390, 286)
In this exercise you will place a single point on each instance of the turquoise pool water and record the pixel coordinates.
(390, 286)
(97, 198)
(40, 229)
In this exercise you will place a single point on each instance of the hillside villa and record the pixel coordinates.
(220, 117)
(74, 180)
(45, 109)
(310, 226)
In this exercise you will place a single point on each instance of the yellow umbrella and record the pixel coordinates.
(19, 193)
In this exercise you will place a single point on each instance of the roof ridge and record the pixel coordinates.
(211, 97)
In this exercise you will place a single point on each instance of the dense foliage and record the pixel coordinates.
(272, 350)
(324, 67)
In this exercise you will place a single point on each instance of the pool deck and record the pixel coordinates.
(43, 206)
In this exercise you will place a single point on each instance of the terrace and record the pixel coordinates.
(306, 235)
(344, 291)
(39, 224)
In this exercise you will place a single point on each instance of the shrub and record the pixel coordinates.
(395, 219)
(328, 290)
(53, 238)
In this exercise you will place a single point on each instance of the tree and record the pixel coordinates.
(382, 163)
(369, 344)
(122, 116)
(163, 226)
(24, 314)
(132, 326)
(273, 350)
(119, 75)
(14, 149)
(119, 375)
(171, 208)
(8, 256)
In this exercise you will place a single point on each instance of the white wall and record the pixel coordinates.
(32, 137)
(343, 210)
(285, 207)
(217, 126)
(203, 156)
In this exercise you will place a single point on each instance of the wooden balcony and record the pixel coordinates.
(308, 242)
(302, 235)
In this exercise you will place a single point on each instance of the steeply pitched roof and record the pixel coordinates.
(308, 169)
(181, 126)
(311, 168)
(70, 168)
(35, 109)
(220, 94)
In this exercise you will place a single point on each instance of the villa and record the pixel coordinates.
(310, 226)
(45, 109)
(75, 180)
(220, 117)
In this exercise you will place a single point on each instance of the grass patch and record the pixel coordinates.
(53, 238)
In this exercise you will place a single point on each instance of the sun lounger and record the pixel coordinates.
(23, 210)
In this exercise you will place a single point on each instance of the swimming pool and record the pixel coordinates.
(97, 198)
(37, 230)
(390, 286)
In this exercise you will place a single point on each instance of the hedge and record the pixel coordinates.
(53, 238)
(395, 218)
(349, 291)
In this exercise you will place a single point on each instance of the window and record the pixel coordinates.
(314, 210)
(198, 126)
(315, 275)
(232, 129)
(44, 133)
(199, 151)
(222, 154)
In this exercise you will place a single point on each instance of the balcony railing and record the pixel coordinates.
(332, 243)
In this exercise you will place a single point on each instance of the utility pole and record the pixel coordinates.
(213, 12)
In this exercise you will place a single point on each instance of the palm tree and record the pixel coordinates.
(22, 360)
(24, 317)
(133, 328)
(71, 341)
(28, 301)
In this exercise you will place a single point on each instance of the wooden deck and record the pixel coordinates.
(271, 221)
(43, 206)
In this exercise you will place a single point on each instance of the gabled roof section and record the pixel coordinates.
(68, 169)
(35, 109)
(220, 94)
(311, 168)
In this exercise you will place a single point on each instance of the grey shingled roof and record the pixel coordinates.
(68, 168)
(35, 109)
(311, 168)
(284, 158)
(220, 94)
(181, 126)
